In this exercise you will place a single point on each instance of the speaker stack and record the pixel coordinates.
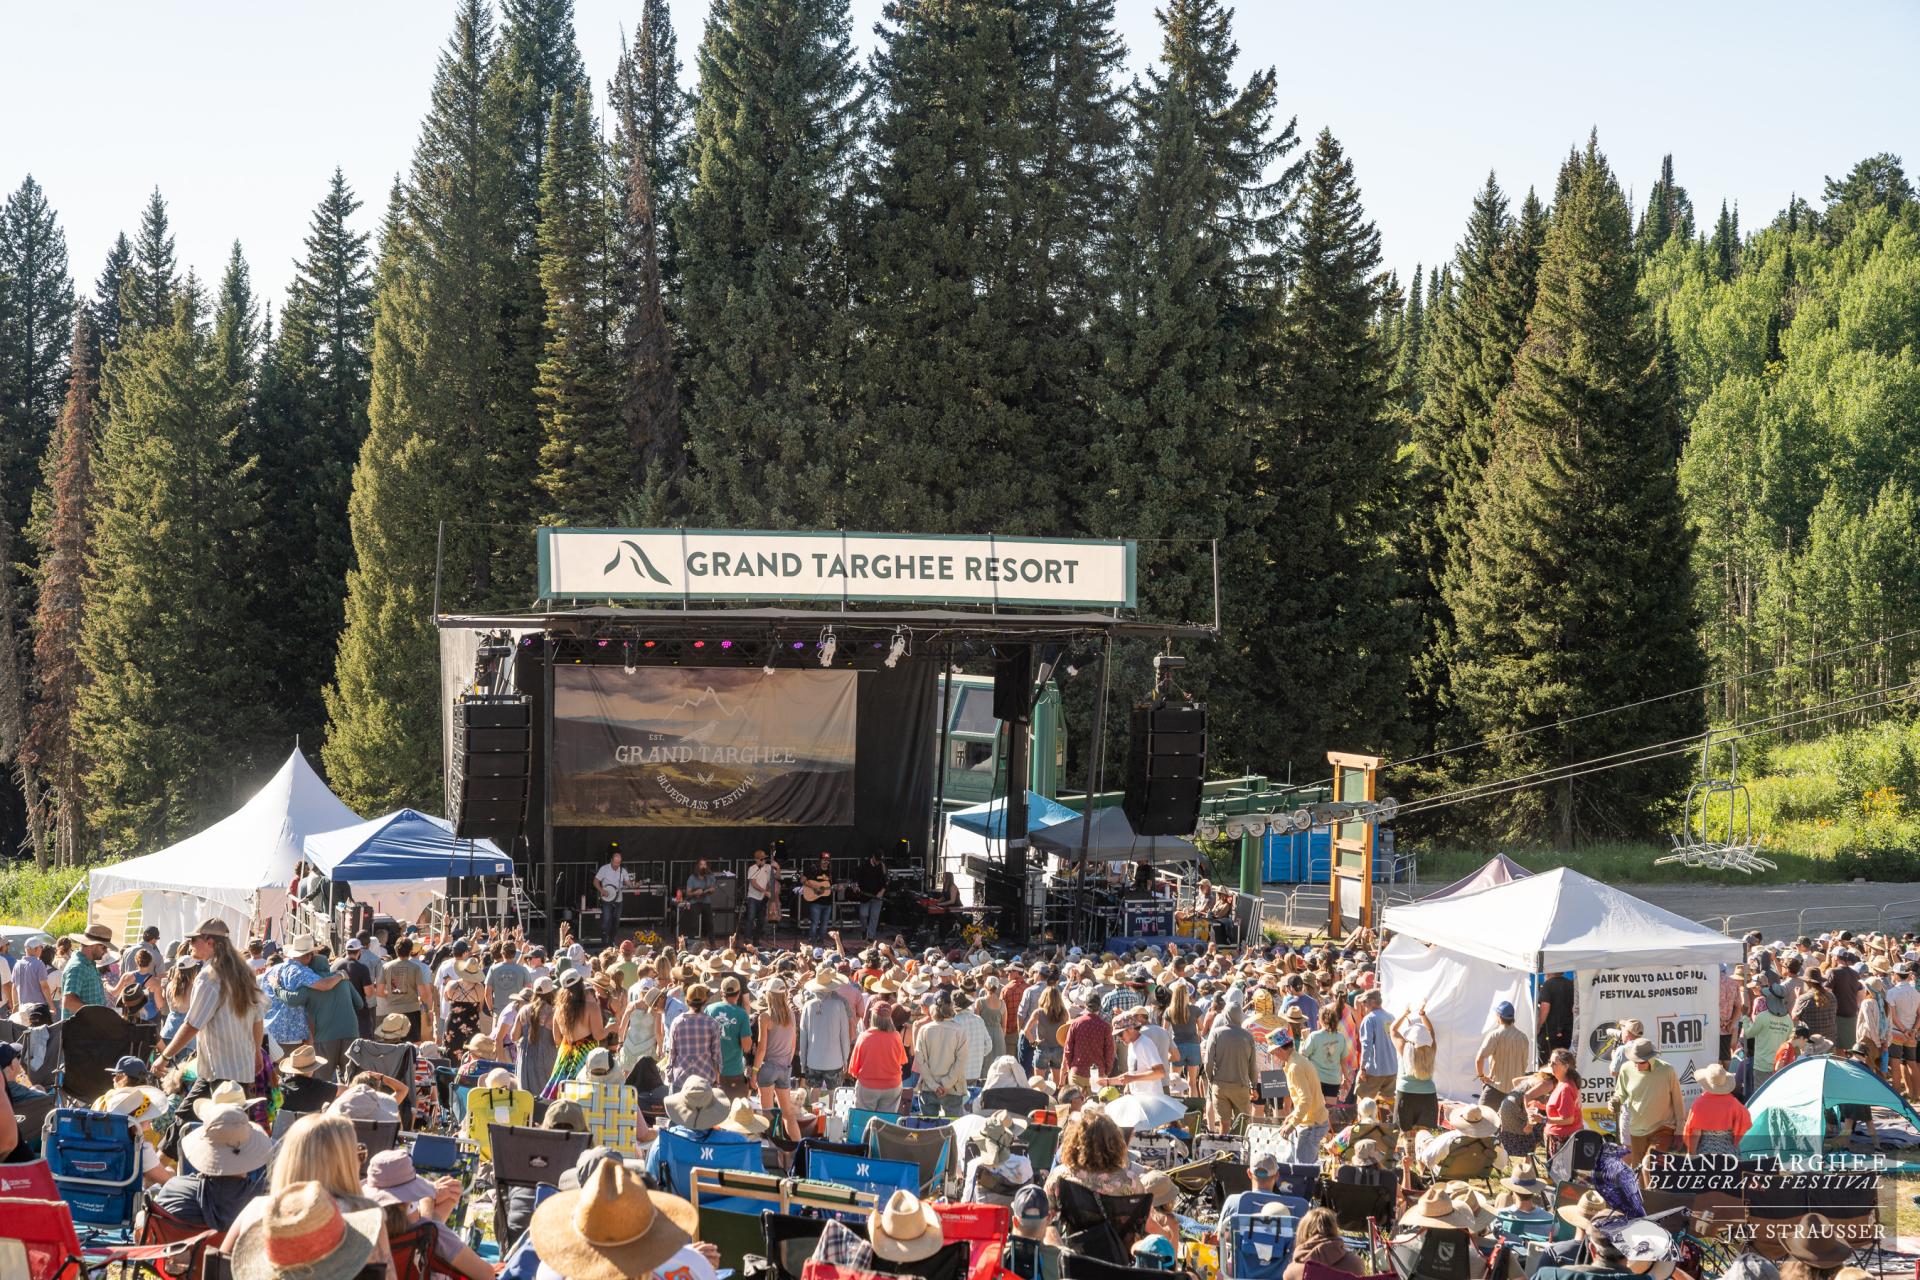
(1012, 682)
(492, 763)
(1166, 763)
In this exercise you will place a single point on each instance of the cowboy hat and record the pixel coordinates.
(696, 1106)
(742, 1118)
(225, 1094)
(1435, 1208)
(227, 1144)
(301, 944)
(902, 1230)
(1465, 1197)
(211, 927)
(304, 1236)
(609, 1229)
(134, 1100)
(393, 1029)
(1587, 1210)
(1715, 1078)
(471, 966)
(823, 980)
(885, 985)
(1819, 1243)
(301, 1061)
(1476, 1122)
(1522, 1182)
(1369, 1153)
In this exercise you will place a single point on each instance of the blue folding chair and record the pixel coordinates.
(864, 1173)
(1298, 1181)
(1257, 1247)
(857, 1121)
(929, 1147)
(680, 1151)
(95, 1160)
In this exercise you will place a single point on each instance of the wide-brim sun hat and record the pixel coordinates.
(303, 1235)
(227, 1144)
(743, 1118)
(1715, 1078)
(1818, 1242)
(696, 1106)
(904, 1229)
(1476, 1122)
(1435, 1208)
(225, 1094)
(393, 1029)
(611, 1228)
(1587, 1210)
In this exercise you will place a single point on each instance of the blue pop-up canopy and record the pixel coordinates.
(403, 845)
(990, 819)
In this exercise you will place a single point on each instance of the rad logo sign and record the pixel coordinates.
(677, 564)
(1677, 1007)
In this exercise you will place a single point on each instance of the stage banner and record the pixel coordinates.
(703, 746)
(703, 564)
(1680, 1008)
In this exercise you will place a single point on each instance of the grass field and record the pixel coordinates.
(27, 897)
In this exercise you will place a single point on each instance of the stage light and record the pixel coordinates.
(699, 644)
(726, 644)
(898, 649)
(626, 657)
(799, 644)
(600, 644)
(829, 645)
(646, 644)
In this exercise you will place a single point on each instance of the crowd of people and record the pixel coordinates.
(628, 1040)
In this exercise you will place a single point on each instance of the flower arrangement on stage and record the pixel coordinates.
(646, 938)
(979, 933)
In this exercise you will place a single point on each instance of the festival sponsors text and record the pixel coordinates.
(1679, 1007)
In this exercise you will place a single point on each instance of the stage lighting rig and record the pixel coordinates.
(899, 649)
(829, 645)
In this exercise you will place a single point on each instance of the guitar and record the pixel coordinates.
(819, 886)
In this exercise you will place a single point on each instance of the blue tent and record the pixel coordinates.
(990, 819)
(1789, 1111)
(403, 845)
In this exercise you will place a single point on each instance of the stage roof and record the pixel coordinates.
(602, 620)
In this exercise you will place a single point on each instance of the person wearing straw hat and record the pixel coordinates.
(905, 1229)
(1467, 1124)
(228, 1153)
(743, 1118)
(613, 1228)
(1717, 1120)
(303, 1235)
(81, 983)
(1647, 1088)
(1435, 1210)
(696, 1106)
(145, 1105)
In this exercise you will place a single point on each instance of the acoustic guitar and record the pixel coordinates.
(816, 887)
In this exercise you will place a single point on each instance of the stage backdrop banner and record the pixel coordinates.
(708, 746)
(1680, 1008)
(706, 564)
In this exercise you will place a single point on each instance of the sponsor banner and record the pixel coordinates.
(712, 746)
(678, 564)
(1680, 1008)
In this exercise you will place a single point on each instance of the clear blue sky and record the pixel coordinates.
(239, 109)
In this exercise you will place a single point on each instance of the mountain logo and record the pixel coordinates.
(706, 697)
(632, 552)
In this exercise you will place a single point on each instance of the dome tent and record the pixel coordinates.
(1790, 1110)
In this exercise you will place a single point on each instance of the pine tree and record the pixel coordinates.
(774, 139)
(36, 321)
(432, 454)
(1412, 343)
(168, 689)
(105, 314)
(1724, 248)
(1878, 182)
(654, 115)
(152, 279)
(1331, 459)
(236, 323)
(647, 401)
(1669, 212)
(64, 544)
(587, 462)
(1579, 591)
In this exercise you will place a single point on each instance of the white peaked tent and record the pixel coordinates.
(1460, 954)
(1499, 869)
(238, 868)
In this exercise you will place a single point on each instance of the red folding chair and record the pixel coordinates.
(54, 1251)
(158, 1227)
(30, 1181)
(984, 1227)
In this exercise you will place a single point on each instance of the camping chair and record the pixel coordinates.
(492, 1109)
(1042, 1142)
(158, 1227)
(1301, 1181)
(304, 1095)
(877, 1177)
(396, 1060)
(95, 1160)
(32, 1116)
(1265, 1138)
(1158, 1150)
(613, 1113)
(1360, 1203)
(948, 1263)
(849, 1204)
(1256, 1246)
(1014, 1099)
(1033, 1259)
(45, 1231)
(803, 1153)
(679, 1152)
(29, 1180)
(437, 1153)
(40, 1054)
(1100, 1226)
(95, 1038)
(1079, 1266)
(858, 1120)
(1444, 1255)
(1468, 1161)
(928, 1148)
(1208, 1145)
(375, 1136)
(525, 1157)
(789, 1240)
(729, 1204)
(413, 1252)
(984, 1228)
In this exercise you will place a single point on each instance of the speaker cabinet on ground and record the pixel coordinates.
(1166, 764)
(492, 764)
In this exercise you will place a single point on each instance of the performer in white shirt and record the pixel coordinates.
(611, 882)
(763, 887)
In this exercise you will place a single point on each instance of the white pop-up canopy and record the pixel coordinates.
(237, 869)
(1561, 920)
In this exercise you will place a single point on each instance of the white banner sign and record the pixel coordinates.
(674, 564)
(1679, 1007)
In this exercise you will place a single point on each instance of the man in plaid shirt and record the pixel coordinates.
(693, 1047)
(1130, 996)
(1089, 1046)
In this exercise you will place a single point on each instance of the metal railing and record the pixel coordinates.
(1793, 921)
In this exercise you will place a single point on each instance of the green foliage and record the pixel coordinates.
(151, 279)
(104, 310)
(655, 115)
(1577, 597)
(29, 894)
(36, 326)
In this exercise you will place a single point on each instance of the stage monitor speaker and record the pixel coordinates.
(1012, 681)
(1576, 1156)
(488, 777)
(1166, 765)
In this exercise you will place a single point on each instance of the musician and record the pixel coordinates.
(1226, 930)
(611, 881)
(763, 884)
(817, 891)
(698, 897)
(871, 883)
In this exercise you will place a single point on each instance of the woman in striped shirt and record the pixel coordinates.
(223, 1021)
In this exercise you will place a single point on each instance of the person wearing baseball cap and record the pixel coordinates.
(1502, 1057)
(1648, 1088)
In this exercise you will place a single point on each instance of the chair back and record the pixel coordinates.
(984, 1228)
(1158, 1150)
(1257, 1247)
(413, 1252)
(95, 1038)
(928, 1148)
(1043, 1143)
(527, 1157)
(678, 1154)
(1033, 1259)
(436, 1153)
(1444, 1255)
(376, 1136)
(1206, 1145)
(1300, 1181)
(158, 1227)
(612, 1110)
(490, 1109)
(790, 1239)
(304, 1095)
(95, 1160)
(1075, 1266)
(1467, 1160)
(45, 1230)
(1357, 1204)
(41, 1054)
(857, 1121)
(804, 1152)
(30, 1181)
(1099, 1226)
(1015, 1099)
(871, 1174)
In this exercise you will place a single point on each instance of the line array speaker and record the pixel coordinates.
(1166, 764)
(492, 765)
(1012, 681)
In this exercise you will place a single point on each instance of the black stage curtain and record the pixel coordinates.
(896, 737)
